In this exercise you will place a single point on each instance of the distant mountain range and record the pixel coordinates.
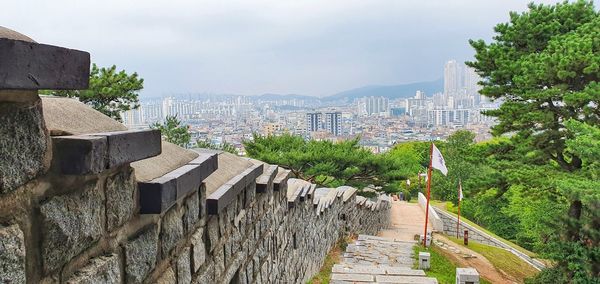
(273, 97)
(390, 91)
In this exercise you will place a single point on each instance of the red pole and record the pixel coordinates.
(428, 195)
(458, 223)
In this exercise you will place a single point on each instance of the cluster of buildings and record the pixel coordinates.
(379, 121)
(458, 106)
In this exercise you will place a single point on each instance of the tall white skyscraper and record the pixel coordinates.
(452, 77)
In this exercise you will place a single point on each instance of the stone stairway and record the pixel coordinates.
(379, 260)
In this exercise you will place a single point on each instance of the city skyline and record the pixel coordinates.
(308, 48)
(379, 121)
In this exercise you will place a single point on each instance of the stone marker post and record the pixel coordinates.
(467, 276)
(424, 260)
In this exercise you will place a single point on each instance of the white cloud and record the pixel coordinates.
(252, 47)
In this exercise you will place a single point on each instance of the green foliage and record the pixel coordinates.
(110, 92)
(173, 131)
(224, 146)
(323, 162)
(544, 64)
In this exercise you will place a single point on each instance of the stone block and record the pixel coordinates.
(184, 273)
(404, 271)
(12, 255)
(102, 269)
(213, 232)
(23, 143)
(467, 276)
(34, 66)
(141, 253)
(71, 223)
(120, 198)
(198, 250)
(219, 261)
(158, 195)
(352, 277)
(167, 277)
(384, 279)
(207, 275)
(202, 204)
(191, 213)
(79, 154)
(131, 145)
(171, 232)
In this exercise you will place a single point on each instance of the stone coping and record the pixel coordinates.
(96, 152)
(227, 192)
(158, 195)
(170, 158)
(29, 65)
(281, 179)
(232, 165)
(263, 181)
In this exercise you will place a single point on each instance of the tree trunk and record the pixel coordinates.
(574, 216)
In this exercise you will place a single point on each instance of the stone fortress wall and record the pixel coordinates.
(83, 200)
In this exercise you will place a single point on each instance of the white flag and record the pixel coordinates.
(437, 161)
(460, 194)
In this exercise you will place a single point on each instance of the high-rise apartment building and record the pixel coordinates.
(377, 106)
(314, 121)
(333, 123)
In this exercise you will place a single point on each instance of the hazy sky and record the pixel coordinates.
(254, 47)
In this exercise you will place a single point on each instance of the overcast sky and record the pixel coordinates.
(253, 47)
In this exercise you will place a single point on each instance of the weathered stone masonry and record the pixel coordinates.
(83, 200)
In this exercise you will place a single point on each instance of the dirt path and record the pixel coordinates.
(407, 221)
(484, 267)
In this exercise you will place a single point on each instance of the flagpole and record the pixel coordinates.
(459, 198)
(428, 194)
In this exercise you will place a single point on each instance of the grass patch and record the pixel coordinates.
(442, 268)
(501, 259)
(450, 208)
(333, 257)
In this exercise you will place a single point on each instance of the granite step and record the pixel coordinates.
(344, 278)
(372, 259)
(376, 270)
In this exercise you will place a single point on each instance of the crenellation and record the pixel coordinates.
(122, 206)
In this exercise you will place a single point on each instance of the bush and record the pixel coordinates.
(407, 195)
